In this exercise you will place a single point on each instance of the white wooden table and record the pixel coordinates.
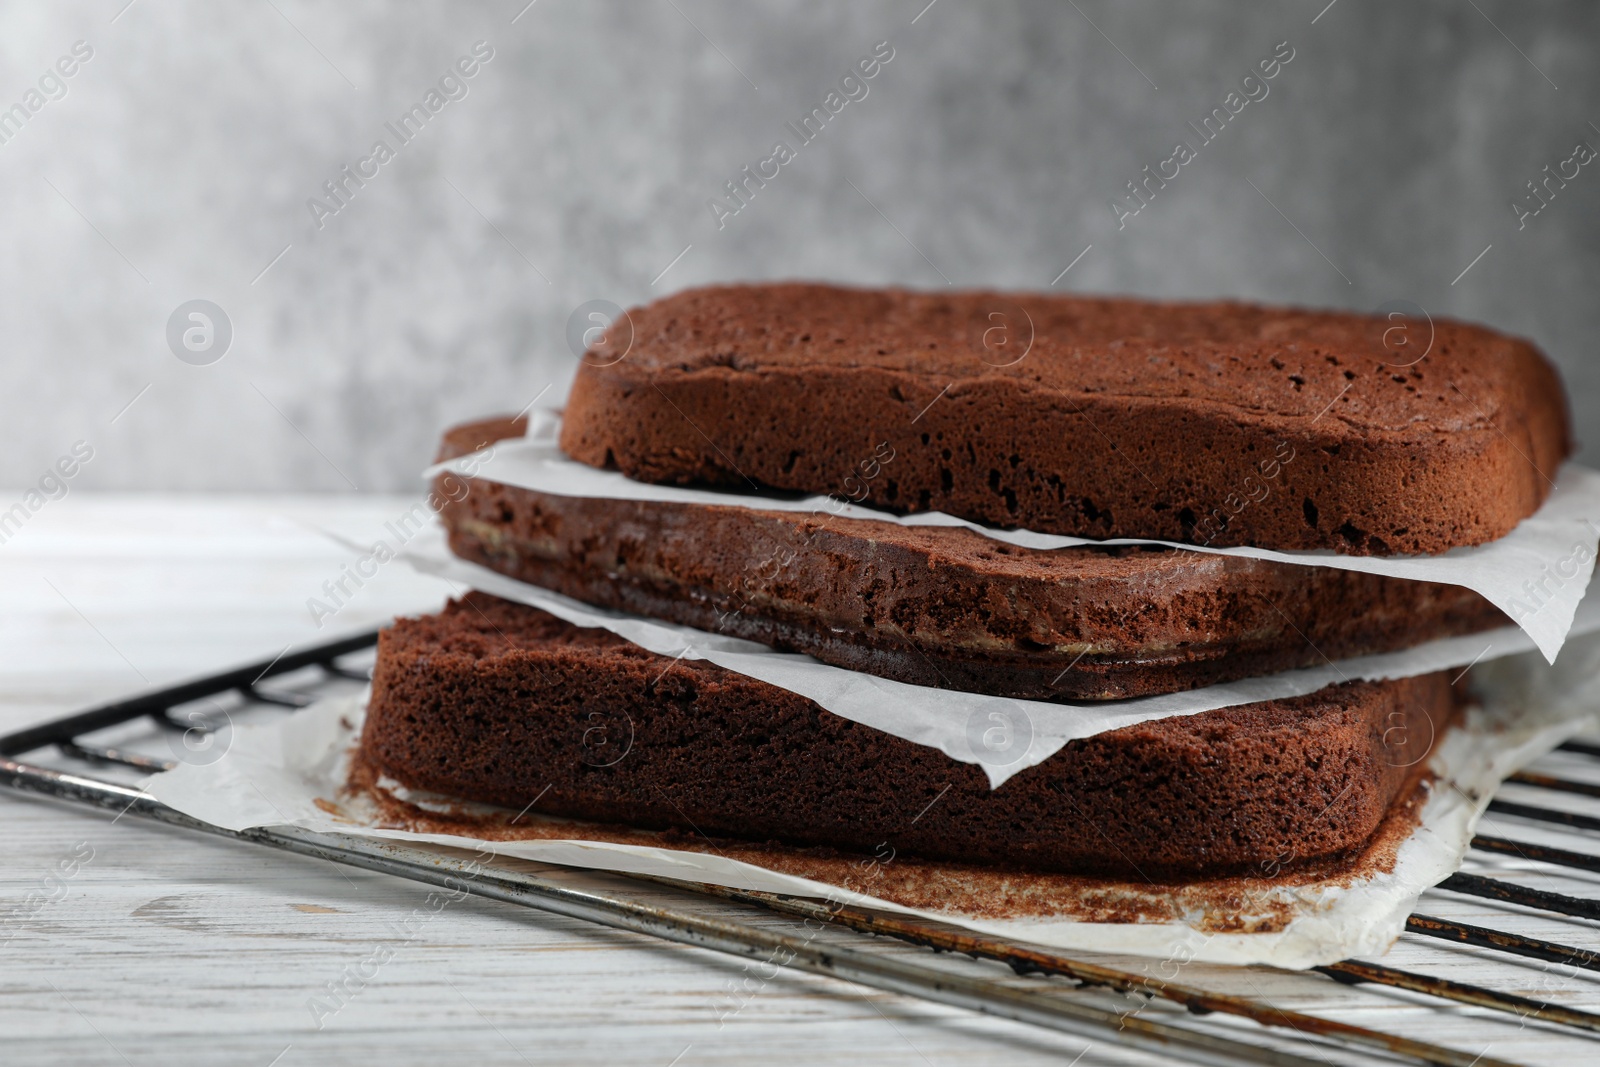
(171, 948)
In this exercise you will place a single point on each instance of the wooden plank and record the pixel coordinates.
(160, 947)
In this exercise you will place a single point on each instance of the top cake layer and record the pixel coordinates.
(1217, 423)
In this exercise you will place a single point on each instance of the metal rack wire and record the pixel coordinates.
(1056, 1004)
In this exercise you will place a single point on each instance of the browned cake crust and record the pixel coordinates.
(498, 702)
(1217, 423)
(946, 607)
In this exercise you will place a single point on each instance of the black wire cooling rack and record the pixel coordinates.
(1058, 1001)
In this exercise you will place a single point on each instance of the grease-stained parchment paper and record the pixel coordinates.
(1537, 574)
(295, 772)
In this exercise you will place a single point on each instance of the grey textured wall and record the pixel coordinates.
(179, 161)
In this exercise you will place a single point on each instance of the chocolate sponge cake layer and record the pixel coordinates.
(498, 702)
(946, 607)
(1216, 423)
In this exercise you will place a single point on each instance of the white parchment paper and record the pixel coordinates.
(1537, 574)
(1002, 734)
(274, 775)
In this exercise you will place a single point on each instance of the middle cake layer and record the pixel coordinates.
(946, 607)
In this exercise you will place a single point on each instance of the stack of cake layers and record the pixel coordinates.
(1211, 425)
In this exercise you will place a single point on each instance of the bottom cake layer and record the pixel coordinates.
(494, 701)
